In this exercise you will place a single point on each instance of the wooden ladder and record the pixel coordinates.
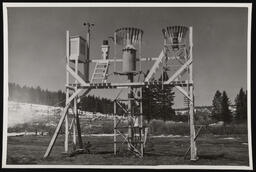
(100, 71)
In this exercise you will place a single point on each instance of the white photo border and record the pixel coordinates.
(5, 97)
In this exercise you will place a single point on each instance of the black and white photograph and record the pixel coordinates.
(127, 85)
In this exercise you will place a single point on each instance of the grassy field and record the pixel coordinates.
(217, 145)
(212, 150)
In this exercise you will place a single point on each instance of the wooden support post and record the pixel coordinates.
(74, 125)
(80, 141)
(115, 54)
(86, 64)
(67, 93)
(140, 39)
(141, 125)
(115, 127)
(75, 107)
(79, 134)
(197, 134)
(193, 155)
(130, 111)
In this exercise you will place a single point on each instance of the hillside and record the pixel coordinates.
(25, 116)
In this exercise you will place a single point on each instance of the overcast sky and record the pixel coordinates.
(37, 42)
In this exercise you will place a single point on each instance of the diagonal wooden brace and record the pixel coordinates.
(75, 94)
(54, 137)
(184, 92)
(76, 76)
(178, 72)
(79, 73)
(155, 66)
(121, 107)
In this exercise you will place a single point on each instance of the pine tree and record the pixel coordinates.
(241, 106)
(158, 101)
(165, 97)
(225, 112)
(147, 101)
(217, 106)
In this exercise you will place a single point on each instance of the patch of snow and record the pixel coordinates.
(219, 123)
(25, 134)
(173, 122)
(16, 134)
(20, 113)
(228, 138)
(110, 135)
(172, 136)
(244, 143)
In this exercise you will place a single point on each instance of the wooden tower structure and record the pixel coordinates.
(177, 48)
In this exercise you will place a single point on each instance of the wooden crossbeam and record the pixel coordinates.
(133, 84)
(121, 60)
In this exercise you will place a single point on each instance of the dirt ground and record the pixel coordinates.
(212, 150)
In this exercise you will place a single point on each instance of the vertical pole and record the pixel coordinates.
(67, 92)
(141, 125)
(79, 136)
(140, 39)
(193, 151)
(164, 59)
(115, 127)
(74, 132)
(75, 107)
(115, 52)
(88, 53)
(86, 64)
(76, 112)
(130, 120)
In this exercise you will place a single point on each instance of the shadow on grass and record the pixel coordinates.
(211, 156)
(21, 160)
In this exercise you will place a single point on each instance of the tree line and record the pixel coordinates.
(35, 95)
(57, 98)
(157, 102)
(221, 104)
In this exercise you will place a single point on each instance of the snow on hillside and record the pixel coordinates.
(20, 113)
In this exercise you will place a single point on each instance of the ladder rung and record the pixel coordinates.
(102, 64)
(101, 68)
(99, 73)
